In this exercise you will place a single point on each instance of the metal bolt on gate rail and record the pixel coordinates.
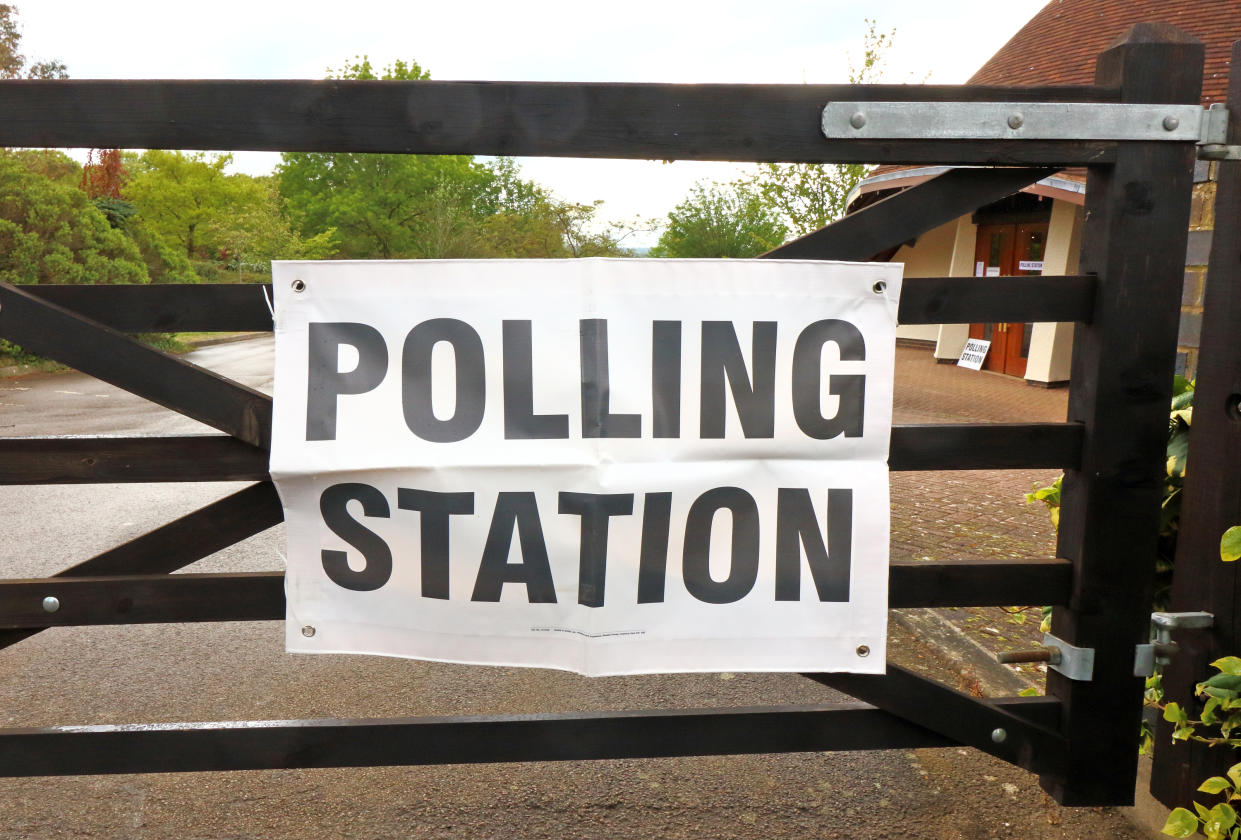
(1076, 663)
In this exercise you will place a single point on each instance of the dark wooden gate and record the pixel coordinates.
(1080, 738)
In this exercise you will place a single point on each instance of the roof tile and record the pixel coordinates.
(1059, 45)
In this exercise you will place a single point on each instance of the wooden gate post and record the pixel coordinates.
(1211, 500)
(1137, 217)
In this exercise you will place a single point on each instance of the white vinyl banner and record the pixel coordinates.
(606, 466)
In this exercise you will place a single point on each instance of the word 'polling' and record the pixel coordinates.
(723, 369)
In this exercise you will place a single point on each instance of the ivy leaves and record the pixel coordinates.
(1230, 544)
(1216, 823)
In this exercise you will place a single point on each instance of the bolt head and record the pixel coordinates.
(857, 120)
(308, 631)
(999, 735)
(1016, 121)
(1171, 123)
(51, 604)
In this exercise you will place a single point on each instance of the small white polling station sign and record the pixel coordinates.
(974, 353)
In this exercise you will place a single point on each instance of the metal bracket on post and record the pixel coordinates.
(1208, 127)
(1213, 143)
(1160, 651)
(1074, 662)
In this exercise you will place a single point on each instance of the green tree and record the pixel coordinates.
(717, 220)
(258, 232)
(50, 163)
(387, 206)
(547, 229)
(188, 207)
(50, 232)
(525, 220)
(430, 206)
(176, 196)
(808, 196)
(14, 65)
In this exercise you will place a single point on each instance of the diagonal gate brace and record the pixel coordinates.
(970, 721)
(181, 542)
(50, 330)
(910, 213)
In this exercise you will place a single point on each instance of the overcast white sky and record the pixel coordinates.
(790, 41)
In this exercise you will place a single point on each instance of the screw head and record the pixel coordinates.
(308, 631)
(857, 120)
(863, 650)
(1016, 121)
(1171, 123)
(999, 735)
(51, 604)
(299, 285)
(1233, 407)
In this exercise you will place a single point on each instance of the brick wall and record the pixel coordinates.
(1201, 226)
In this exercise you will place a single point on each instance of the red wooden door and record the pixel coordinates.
(1006, 250)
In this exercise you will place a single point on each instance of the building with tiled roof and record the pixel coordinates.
(1058, 46)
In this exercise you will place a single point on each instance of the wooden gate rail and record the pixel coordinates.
(161, 598)
(554, 119)
(243, 308)
(108, 460)
(275, 745)
(1081, 739)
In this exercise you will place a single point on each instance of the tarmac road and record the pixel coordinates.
(239, 671)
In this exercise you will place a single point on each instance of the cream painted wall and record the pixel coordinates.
(931, 257)
(951, 337)
(948, 250)
(1051, 345)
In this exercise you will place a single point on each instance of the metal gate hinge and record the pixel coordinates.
(1214, 127)
(1025, 121)
(1160, 651)
(1213, 151)
(1213, 137)
(1076, 663)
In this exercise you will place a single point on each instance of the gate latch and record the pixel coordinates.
(1160, 651)
(1076, 663)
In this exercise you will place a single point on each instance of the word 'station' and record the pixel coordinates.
(605, 466)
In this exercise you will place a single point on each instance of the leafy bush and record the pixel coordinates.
(1216, 823)
(1180, 417)
(50, 232)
